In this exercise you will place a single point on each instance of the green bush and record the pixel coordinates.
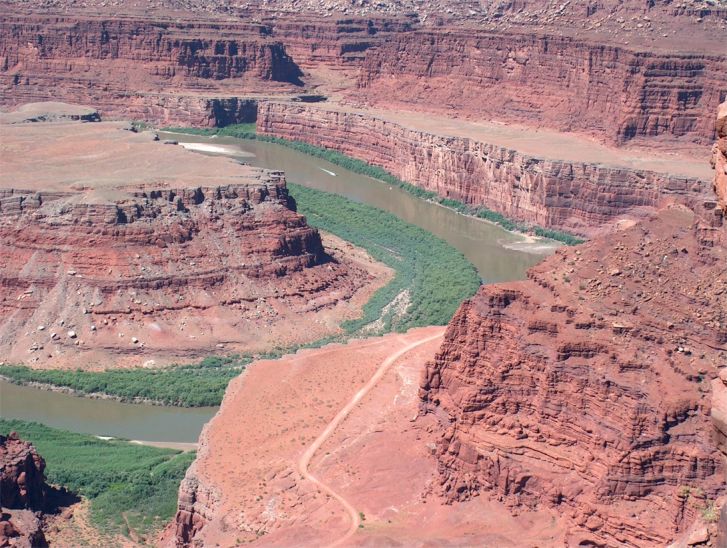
(119, 478)
(437, 276)
(241, 131)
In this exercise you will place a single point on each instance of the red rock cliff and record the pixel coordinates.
(170, 71)
(612, 92)
(576, 196)
(587, 387)
(127, 264)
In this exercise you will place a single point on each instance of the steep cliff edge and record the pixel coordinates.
(612, 92)
(119, 250)
(571, 194)
(169, 70)
(587, 387)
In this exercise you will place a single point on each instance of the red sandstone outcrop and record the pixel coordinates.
(589, 387)
(579, 196)
(22, 484)
(107, 260)
(21, 529)
(22, 492)
(612, 92)
(173, 71)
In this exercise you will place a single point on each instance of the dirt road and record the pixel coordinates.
(306, 458)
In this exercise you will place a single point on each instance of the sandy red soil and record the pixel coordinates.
(378, 460)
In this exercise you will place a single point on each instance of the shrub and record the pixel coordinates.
(119, 478)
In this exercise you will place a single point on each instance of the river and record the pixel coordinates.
(497, 254)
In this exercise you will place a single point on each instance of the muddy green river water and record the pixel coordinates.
(497, 254)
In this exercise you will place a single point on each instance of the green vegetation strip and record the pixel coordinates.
(196, 385)
(436, 276)
(125, 483)
(432, 275)
(247, 131)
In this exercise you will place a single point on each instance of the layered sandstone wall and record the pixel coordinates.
(169, 71)
(597, 386)
(586, 388)
(576, 196)
(145, 253)
(159, 273)
(338, 43)
(612, 92)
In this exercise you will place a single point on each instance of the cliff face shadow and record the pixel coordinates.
(58, 498)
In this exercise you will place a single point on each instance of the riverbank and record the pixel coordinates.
(247, 131)
(431, 279)
(131, 488)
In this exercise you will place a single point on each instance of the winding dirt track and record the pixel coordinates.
(304, 461)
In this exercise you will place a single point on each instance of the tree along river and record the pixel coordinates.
(497, 254)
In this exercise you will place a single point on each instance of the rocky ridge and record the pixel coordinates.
(573, 195)
(587, 387)
(167, 70)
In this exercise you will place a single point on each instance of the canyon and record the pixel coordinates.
(545, 179)
(121, 250)
(584, 406)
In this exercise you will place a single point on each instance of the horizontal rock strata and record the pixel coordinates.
(613, 92)
(597, 386)
(576, 196)
(117, 263)
(169, 71)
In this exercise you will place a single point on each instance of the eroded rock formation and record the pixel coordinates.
(589, 386)
(22, 484)
(23, 492)
(612, 92)
(179, 71)
(108, 259)
(576, 195)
